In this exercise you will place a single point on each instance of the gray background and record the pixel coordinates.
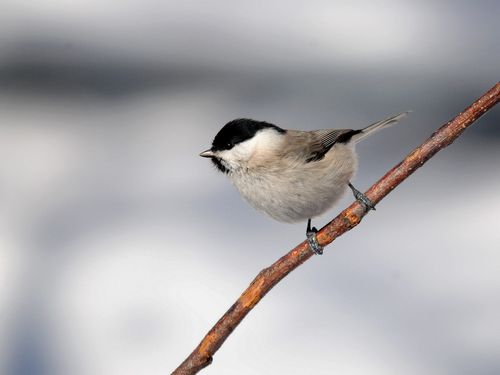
(120, 247)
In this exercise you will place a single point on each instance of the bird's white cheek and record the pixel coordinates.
(230, 160)
(238, 156)
(243, 151)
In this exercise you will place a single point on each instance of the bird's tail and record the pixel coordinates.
(370, 129)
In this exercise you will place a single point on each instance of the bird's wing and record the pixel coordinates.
(312, 146)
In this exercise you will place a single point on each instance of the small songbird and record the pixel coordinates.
(291, 175)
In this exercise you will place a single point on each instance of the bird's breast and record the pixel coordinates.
(291, 193)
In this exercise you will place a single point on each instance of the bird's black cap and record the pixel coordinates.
(238, 131)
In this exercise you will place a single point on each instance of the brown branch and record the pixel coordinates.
(345, 221)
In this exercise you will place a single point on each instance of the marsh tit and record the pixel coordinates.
(291, 175)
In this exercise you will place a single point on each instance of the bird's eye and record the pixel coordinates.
(229, 145)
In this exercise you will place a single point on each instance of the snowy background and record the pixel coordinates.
(120, 247)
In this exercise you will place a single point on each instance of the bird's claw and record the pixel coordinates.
(363, 199)
(312, 240)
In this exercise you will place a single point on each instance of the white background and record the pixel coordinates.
(120, 247)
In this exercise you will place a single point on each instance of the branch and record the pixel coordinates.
(345, 221)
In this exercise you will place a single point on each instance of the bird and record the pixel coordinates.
(291, 175)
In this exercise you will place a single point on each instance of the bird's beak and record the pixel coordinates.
(207, 154)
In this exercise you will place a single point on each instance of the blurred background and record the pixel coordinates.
(120, 247)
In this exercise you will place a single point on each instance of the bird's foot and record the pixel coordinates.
(312, 240)
(363, 199)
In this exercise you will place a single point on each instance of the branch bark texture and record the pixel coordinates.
(345, 221)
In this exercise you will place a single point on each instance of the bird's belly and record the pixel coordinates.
(292, 197)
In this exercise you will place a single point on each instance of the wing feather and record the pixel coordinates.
(325, 139)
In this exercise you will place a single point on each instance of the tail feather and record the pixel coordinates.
(379, 125)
